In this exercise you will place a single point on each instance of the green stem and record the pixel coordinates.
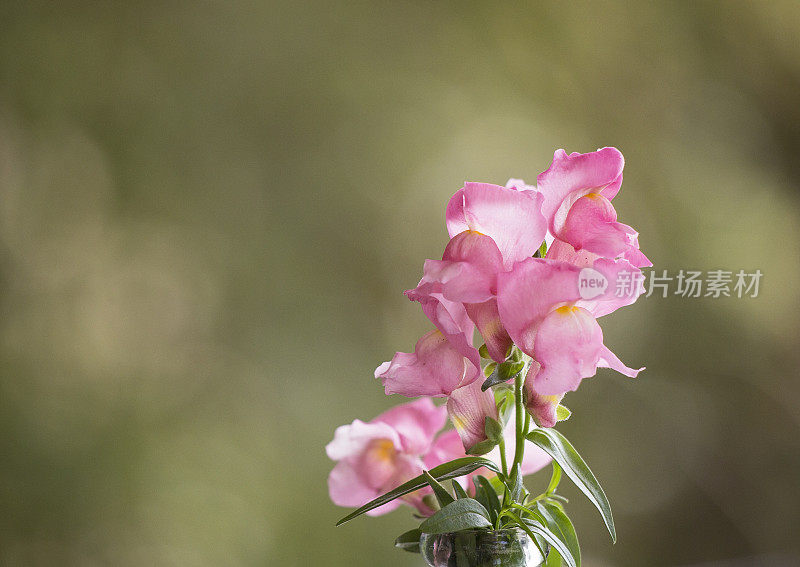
(520, 419)
(527, 428)
(503, 462)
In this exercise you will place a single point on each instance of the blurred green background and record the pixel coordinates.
(209, 210)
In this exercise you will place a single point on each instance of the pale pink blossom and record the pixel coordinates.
(378, 456)
(577, 190)
(511, 217)
(542, 309)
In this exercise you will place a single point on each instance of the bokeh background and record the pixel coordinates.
(209, 210)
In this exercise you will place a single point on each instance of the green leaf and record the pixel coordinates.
(493, 429)
(562, 451)
(553, 560)
(488, 492)
(533, 528)
(560, 524)
(445, 471)
(504, 398)
(462, 514)
(441, 493)
(489, 369)
(409, 541)
(483, 351)
(482, 447)
(563, 413)
(459, 490)
(503, 373)
(555, 478)
(515, 483)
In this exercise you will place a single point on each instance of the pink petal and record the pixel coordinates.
(534, 459)
(567, 346)
(519, 185)
(406, 467)
(541, 407)
(346, 487)
(450, 318)
(446, 447)
(487, 318)
(458, 281)
(377, 463)
(468, 408)
(467, 272)
(571, 176)
(512, 218)
(609, 360)
(435, 368)
(591, 224)
(560, 250)
(416, 422)
(528, 293)
(351, 440)
(625, 285)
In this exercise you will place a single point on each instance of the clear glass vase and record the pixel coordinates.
(481, 548)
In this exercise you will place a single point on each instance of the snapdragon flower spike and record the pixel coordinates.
(377, 456)
(509, 216)
(541, 307)
(577, 191)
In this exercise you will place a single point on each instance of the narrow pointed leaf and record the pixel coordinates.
(409, 541)
(459, 490)
(442, 496)
(515, 484)
(560, 524)
(488, 497)
(555, 478)
(446, 471)
(460, 515)
(562, 451)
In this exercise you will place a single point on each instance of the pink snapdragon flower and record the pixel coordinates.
(467, 275)
(509, 216)
(437, 369)
(378, 456)
(468, 408)
(577, 191)
(491, 228)
(541, 307)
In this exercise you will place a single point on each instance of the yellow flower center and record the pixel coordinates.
(567, 309)
(383, 450)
